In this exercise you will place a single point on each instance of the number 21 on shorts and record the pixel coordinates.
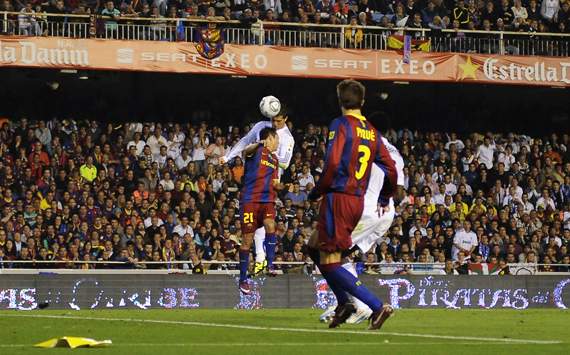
(248, 217)
(364, 157)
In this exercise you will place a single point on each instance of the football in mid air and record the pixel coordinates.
(270, 106)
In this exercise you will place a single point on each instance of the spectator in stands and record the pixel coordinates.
(27, 23)
(461, 14)
(506, 14)
(563, 15)
(429, 13)
(325, 8)
(352, 34)
(341, 11)
(88, 171)
(548, 10)
(111, 24)
(489, 13)
(533, 11)
(415, 23)
(400, 17)
(519, 11)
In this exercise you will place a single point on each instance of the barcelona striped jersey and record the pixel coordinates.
(354, 145)
(260, 169)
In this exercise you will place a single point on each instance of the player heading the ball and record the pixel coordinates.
(271, 108)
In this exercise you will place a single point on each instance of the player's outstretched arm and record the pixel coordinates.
(249, 138)
(388, 165)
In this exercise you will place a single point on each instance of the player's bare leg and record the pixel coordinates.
(244, 262)
(270, 243)
(260, 261)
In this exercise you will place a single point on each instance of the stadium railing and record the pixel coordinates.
(185, 266)
(281, 33)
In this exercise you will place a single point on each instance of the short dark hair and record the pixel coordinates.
(266, 132)
(350, 94)
(284, 111)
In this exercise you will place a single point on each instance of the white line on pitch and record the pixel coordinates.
(279, 344)
(294, 330)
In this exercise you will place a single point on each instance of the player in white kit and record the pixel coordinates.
(373, 224)
(284, 154)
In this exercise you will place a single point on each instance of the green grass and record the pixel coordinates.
(20, 330)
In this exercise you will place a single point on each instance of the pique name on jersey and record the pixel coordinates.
(366, 134)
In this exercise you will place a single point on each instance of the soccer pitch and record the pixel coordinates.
(290, 331)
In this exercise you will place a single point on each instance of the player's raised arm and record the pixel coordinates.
(249, 138)
(399, 161)
(397, 158)
(333, 157)
(388, 165)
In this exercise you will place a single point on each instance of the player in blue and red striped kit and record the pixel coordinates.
(257, 197)
(354, 145)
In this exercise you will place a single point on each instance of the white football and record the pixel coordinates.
(270, 106)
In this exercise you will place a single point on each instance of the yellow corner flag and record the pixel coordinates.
(73, 342)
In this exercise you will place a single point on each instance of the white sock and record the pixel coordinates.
(259, 238)
(357, 303)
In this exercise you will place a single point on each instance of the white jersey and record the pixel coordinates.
(371, 225)
(465, 240)
(284, 151)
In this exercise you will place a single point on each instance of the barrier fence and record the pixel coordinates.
(282, 34)
(283, 267)
(145, 291)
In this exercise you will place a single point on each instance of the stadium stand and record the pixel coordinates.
(495, 27)
(77, 190)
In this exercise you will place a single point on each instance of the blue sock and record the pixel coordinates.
(270, 242)
(343, 279)
(243, 264)
(341, 296)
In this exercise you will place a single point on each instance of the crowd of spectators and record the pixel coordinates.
(78, 191)
(501, 15)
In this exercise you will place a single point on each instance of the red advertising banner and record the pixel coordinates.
(183, 57)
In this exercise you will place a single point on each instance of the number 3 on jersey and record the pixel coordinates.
(363, 160)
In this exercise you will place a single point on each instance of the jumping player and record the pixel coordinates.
(284, 154)
(257, 196)
(354, 146)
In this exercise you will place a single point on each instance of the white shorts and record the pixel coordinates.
(372, 226)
